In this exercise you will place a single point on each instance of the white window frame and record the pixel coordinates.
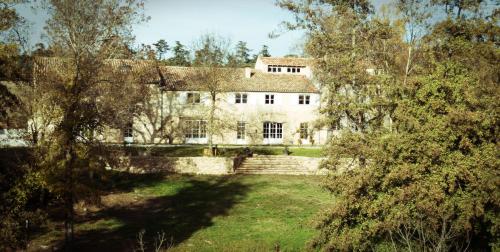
(272, 130)
(304, 99)
(193, 98)
(241, 98)
(269, 99)
(195, 129)
(303, 130)
(241, 130)
(128, 131)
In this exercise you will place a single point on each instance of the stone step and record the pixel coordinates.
(271, 169)
(270, 164)
(277, 172)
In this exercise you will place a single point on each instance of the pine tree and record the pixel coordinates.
(242, 53)
(181, 55)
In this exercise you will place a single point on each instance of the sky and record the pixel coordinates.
(187, 20)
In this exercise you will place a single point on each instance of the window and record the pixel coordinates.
(273, 68)
(303, 131)
(128, 130)
(269, 99)
(240, 130)
(193, 98)
(272, 130)
(304, 99)
(195, 128)
(241, 98)
(293, 69)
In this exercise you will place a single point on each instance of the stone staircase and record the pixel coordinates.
(272, 165)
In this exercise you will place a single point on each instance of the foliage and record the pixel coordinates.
(242, 54)
(23, 197)
(211, 55)
(181, 55)
(422, 132)
(86, 33)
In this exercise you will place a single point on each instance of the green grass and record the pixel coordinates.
(226, 151)
(208, 213)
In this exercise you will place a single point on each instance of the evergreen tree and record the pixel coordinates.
(242, 53)
(181, 55)
(264, 51)
(161, 48)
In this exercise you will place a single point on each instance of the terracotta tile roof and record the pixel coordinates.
(258, 82)
(177, 78)
(289, 61)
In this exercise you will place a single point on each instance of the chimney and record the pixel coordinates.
(248, 72)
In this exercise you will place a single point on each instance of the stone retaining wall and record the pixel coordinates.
(192, 165)
(198, 165)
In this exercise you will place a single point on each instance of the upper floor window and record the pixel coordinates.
(241, 98)
(269, 99)
(304, 99)
(273, 69)
(293, 69)
(193, 98)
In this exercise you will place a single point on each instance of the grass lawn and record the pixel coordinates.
(203, 213)
(227, 151)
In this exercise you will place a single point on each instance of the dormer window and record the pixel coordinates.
(274, 69)
(293, 69)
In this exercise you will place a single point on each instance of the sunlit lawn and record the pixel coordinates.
(204, 213)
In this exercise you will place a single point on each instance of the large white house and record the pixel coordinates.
(276, 102)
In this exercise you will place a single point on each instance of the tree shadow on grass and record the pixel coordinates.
(180, 215)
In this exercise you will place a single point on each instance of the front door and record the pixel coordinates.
(272, 133)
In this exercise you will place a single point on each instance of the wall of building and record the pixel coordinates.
(285, 109)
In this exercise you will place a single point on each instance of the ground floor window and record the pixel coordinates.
(195, 128)
(240, 131)
(128, 130)
(303, 131)
(272, 130)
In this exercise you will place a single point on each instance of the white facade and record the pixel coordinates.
(244, 117)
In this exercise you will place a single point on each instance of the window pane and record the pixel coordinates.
(244, 98)
(298, 70)
(279, 130)
(303, 131)
(266, 130)
(203, 129)
(240, 134)
(307, 99)
(301, 99)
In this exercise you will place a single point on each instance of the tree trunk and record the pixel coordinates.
(211, 122)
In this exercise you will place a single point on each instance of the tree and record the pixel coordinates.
(161, 48)
(265, 51)
(87, 33)
(242, 54)
(181, 55)
(426, 181)
(210, 75)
